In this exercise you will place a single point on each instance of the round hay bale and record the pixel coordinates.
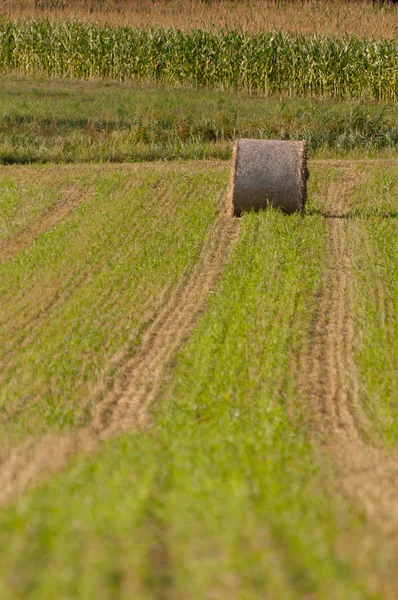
(268, 172)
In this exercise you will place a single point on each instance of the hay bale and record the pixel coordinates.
(268, 172)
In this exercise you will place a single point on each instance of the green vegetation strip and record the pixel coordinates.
(85, 289)
(21, 204)
(265, 63)
(224, 496)
(46, 120)
(374, 251)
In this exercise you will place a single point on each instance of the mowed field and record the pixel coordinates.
(231, 383)
(195, 406)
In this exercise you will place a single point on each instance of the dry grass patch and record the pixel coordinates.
(359, 18)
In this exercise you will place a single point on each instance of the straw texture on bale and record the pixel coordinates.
(268, 172)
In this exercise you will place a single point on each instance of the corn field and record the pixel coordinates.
(265, 63)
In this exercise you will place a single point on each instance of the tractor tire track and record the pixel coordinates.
(369, 474)
(67, 284)
(60, 295)
(142, 379)
(13, 245)
(126, 405)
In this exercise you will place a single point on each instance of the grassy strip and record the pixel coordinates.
(374, 252)
(84, 290)
(44, 120)
(21, 204)
(271, 63)
(223, 498)
(376, 196)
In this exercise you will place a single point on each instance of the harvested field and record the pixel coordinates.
(26, 235)
(208, 417)
(368, 472)
(192, 405)
(125, 406)
(65, 343)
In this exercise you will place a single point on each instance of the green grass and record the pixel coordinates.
(51, 120)
(377, 195)
(224, 497)
(21, 204)
(87, 287)
(376, 295)
(372, 205)
(266, 63)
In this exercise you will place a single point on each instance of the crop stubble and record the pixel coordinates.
(10, 247)
(127, 404)
(368, 473)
